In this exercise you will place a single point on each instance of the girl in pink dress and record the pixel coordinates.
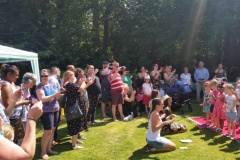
(219, 111)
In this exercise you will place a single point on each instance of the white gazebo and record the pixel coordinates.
(9, 54)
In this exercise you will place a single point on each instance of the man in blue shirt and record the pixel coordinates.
(201, 75)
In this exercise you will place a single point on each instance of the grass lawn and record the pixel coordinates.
(125, 140)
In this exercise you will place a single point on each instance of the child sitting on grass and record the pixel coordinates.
(206, 102)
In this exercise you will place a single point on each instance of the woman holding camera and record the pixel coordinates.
(94, 90)
(220, 72)
(48, 95)
(10, 75)
(72, 94)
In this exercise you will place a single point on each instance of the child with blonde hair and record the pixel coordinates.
(231, 111)
(6, 130)
(206, 102)
(213, 84)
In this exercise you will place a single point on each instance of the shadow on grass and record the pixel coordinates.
(230, 147)
(143, 125)
(141, 154)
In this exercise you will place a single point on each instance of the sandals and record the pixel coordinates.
(76, 147)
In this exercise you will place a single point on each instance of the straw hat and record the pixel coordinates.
(165, 97)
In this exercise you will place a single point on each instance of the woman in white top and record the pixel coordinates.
(186, 77)
(155, 142)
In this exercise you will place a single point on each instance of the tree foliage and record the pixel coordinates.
(134, 32)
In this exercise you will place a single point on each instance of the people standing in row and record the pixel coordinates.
(116, 90)
(94, 91)
(72, 95)
(49, 96)
(105, 88)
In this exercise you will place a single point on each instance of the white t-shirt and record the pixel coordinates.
(147, 88)
(229, 103)
(186, 78)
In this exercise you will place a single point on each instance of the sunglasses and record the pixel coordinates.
(44, 76)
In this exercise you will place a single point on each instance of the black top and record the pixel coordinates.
(95, 88)
(127, 108)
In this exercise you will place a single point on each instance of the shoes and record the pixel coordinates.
(94, 122)
(115, 120)
(45, 157)
(81, 137)
(77, 147)
(58, 140)
(54, 143)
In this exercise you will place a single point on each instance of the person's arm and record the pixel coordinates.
(195, 76)
(166, 77)
(41, 95)
(6, 93)
(234, 104)
(104, 72)
(84, 87)
(114, 76)
(131, 99)
(216, 71)
(225, 74)
(207, 75)
(143, 89)
(12, 102)
(11, 151)
(155, 122)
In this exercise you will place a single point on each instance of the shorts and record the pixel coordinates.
(159, 143)
(49, 120)
(106, 95)
(117, 97)
(146, 99)
(211, 108)
(231, 115)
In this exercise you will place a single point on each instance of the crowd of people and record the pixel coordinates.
(79, 92)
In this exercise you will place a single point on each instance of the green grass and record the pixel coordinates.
(125, 140)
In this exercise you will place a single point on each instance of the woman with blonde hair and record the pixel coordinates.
(72, 95)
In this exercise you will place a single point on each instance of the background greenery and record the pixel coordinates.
(109, 140)
(135, 32)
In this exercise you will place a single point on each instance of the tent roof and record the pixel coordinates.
(15, 55)
(9, 54)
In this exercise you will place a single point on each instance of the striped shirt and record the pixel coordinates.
(116, 84)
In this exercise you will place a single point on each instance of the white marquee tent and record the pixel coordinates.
(9, 54)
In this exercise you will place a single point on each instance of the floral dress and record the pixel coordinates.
(206, 102)
(173, 127)
(72, 95)
(219, 110)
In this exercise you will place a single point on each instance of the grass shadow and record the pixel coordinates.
(230, 147)
(143, 125)
(141, 154)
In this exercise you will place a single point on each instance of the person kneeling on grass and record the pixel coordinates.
(155, 142)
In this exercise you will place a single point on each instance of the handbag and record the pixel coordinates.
(19, 132)
(17, 124)
(73, 112)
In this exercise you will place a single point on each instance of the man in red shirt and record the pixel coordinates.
(116, 90)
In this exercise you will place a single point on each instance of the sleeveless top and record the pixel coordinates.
(52, 105)
(18, 111)
(153, 136)
(220, 74)
(229, 103)
(3, 115)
